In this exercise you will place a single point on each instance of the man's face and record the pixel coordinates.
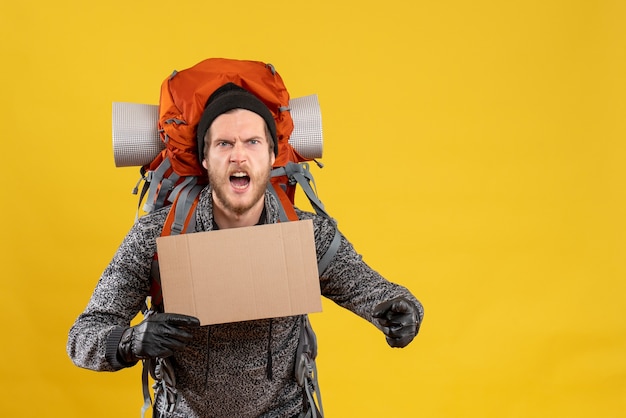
(238, 161)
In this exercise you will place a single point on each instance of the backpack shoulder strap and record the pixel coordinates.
(306, 370)
(301, 174)
(286, 212)
(181, 218)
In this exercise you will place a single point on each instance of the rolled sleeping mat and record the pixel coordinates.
(136, 140)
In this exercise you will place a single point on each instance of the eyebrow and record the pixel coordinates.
(254, 137)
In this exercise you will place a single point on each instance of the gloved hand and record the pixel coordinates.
(398, 319)
(159, 335)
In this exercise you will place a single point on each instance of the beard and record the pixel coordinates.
(221, 187)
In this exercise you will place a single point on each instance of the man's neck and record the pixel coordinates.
(227, 219)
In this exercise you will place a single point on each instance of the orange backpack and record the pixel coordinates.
(176, 176)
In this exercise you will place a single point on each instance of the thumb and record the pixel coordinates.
(380, 311)
(399, 305)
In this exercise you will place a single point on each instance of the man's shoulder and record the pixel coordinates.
(153, 221)
(321, 224)
(304, 215)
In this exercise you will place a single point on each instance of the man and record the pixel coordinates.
(243, 369)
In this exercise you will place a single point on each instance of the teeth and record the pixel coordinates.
(239, 174)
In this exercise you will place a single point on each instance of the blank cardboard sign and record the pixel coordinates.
(241, 274)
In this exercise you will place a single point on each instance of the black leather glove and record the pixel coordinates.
(159, 335)
(399, 320)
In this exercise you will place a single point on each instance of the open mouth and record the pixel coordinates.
(239, 180)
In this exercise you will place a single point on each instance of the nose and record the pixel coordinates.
(237, 153)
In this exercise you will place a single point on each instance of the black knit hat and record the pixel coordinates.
(228, 97)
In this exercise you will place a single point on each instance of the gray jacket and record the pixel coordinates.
(223, 372)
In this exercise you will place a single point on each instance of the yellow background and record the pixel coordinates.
(474, 153)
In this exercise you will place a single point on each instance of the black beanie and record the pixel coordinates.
(228, 97)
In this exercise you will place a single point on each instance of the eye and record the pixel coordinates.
(222, 144)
